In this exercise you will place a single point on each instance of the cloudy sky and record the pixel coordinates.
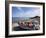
(25, 11)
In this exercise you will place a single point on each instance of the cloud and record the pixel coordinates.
(20, 9)
(29, 13)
